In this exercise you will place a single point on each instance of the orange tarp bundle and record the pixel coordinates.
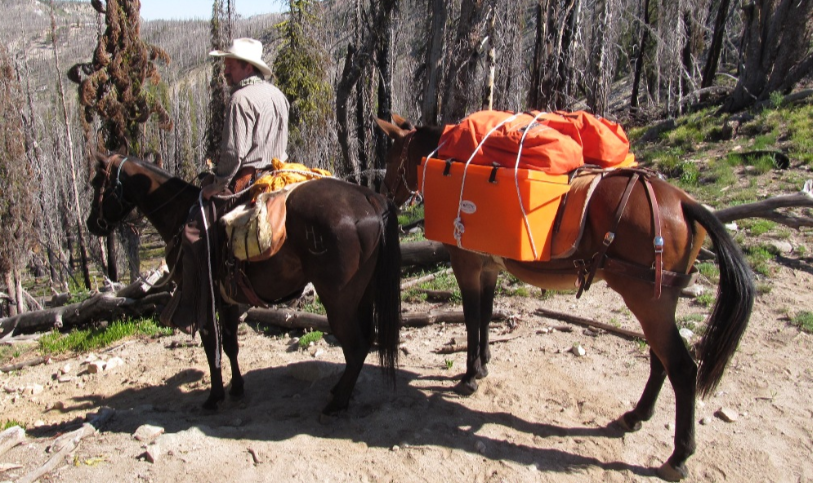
(556, 143)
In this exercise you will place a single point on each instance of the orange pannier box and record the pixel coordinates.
(490, 218)
(489, 211)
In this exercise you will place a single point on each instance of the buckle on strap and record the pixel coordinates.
(609, 237)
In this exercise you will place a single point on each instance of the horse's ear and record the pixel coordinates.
(393, 131)
(402, 123)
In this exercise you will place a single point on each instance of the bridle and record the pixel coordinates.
(115, 191)
(401, 173)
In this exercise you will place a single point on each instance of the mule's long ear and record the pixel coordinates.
(394, 132)
(402, 123)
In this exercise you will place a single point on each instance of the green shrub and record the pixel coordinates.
(309, 337)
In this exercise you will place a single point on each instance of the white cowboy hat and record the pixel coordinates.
(249, 50)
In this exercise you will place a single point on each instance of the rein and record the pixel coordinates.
(401, 170)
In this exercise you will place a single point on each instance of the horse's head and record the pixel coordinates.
(109, 205)
(401, 178)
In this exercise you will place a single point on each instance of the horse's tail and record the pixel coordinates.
(387, 279)
(735, 299)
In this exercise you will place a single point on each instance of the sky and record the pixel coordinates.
(202, 9)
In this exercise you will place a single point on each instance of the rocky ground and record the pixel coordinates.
(543, 414)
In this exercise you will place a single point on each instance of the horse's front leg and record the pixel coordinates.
(229, 320)
(210, 336)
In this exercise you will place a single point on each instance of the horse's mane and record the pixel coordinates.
(158, 171)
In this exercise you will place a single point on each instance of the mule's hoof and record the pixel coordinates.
(670, 473)
(333, 408)
(631, 428)
(466, 388)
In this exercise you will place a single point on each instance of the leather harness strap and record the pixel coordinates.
(601, 261)
(598, 259)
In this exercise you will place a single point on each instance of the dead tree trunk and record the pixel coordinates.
(639, 61)
(433, 62)
(775, 50)
(710, 69)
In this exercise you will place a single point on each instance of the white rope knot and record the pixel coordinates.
(459, 229)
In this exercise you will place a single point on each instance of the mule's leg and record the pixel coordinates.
(468, 268)
(209, 338)
(229, 320)
(657, 319)
(488, 283)
(631, 421)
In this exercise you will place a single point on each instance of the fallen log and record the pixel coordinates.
(767, 209)
(425, 278)
(16, 367)
(630, 334)
(451, 349)
(96, 308)
(11, 437)
(423, 253)
(293, 319)
(66, 444)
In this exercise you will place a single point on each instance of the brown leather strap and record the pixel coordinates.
(669, 278)
(598, 259)
(243, 283)
(657, 242)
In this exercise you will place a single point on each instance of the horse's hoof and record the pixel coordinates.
(237, 392)
(210, 405)
(333, 408)
(670, 473)
(630, 428)
(466, 388)
(327, 418)
(483, 372)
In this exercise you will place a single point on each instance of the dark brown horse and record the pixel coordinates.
(343, 238)
(626, 267)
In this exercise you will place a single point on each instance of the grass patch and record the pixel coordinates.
(309, 337)
(804, 321)
(691, 321)
(443, 281)
(758, 226)
(709, 270)
(85, 340)
(706, 299)
(759, 257)
(10, 423)
(411, 214)
(314, 307)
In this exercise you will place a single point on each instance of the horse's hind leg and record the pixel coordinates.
(354, 331)
(488, 282)
(229, 320)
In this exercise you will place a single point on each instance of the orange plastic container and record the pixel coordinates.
(489, 214)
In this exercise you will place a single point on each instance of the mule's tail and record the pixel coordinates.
(735, 299)
(387, 279)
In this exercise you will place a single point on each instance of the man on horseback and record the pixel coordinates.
(254, 133)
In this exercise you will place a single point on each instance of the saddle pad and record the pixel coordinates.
(572, 215)
(255, 231)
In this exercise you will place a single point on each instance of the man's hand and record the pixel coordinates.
(211, 190)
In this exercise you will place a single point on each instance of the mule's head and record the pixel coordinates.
(401, 177)
(109, 206)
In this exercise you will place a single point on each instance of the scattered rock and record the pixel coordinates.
(731, 226)
(686, 334)
(147, 433)
(727, 414)
(64, 379)
(66, 368)
(113, 363)
(693, 292)
(705, 421)
(96, 367)
(9, 389)
(782, 246)
(578, 350)
(480, 447)
(153, 453)
(395, 448)
(312, 371)
(34, 389)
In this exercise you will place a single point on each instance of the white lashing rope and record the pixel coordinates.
(211, 282)
(459, 229)
(528, 129)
